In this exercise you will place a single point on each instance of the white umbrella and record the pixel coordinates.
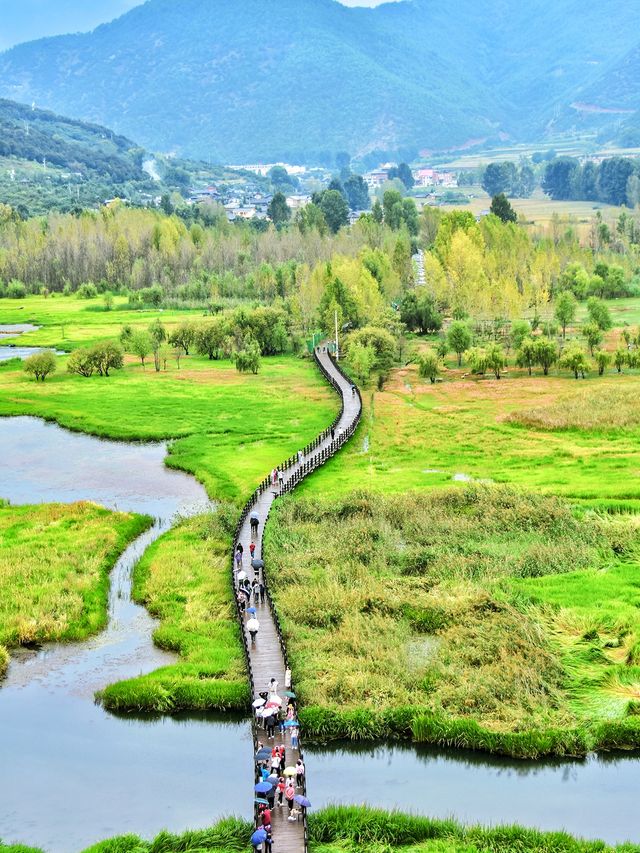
(275, 699)
(253, 625)
(259, 702)
(242, 575)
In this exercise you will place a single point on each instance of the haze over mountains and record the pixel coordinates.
(238, 80)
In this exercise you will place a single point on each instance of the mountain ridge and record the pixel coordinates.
(237, 80)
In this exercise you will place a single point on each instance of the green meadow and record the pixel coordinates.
(54, 565)
(550, 434)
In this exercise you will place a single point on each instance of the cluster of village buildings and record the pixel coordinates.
(248, 201)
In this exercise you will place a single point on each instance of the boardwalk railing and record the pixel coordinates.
(313, 455)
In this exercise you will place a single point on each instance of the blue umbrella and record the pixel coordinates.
(261, 802)
(258, 836)
(263, 753)
(257, 564)
(263, 787)
(292, 723)
(251, 610)
(302, 801)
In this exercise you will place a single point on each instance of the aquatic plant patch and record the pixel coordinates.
(419, 615)
(55, 561)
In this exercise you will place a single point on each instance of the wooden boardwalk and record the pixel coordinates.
(267, 657)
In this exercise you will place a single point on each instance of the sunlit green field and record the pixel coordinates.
(418, 435)
(68, 321)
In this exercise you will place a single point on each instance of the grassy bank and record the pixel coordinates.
(451, 617)
(55, 561)
(183, 580)
(360, 829)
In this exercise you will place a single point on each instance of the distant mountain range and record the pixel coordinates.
(238, 80)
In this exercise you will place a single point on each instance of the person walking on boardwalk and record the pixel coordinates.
(299, 773)
(280, 479)
(255, 591)
(273, 686)
(253, 626)
(268, 842)
(275, 761)
(274, 476)
(280, 788)
(289, 794)
(254, 521)
(252, 549)
(294, 737)
(271, 726)
(287, 679)
(263, 591)
(238, 557)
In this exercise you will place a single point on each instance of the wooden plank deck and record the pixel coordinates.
(266, 656)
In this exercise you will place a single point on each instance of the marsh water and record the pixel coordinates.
(13, 330)
(71, 774)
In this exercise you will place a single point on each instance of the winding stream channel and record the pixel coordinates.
(71, 774)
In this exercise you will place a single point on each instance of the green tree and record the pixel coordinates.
(392, 209)
(107, 356)
(501, 207)
(429, 365)
(575, 359)
(603, 360)
(546, 354)
(561, 178)
(403, 172)
(498, 178)
(620, 359)
(565, 310)
(183, 336)
(81, 362)
(278, 210)
(599, 313)
(141, 344)
(520, 329)
(418, 311)
(335, 209)
(495, 359)
(382, 343)
(476, 358)
(459, 338)
(593, 334)
(40, 365)
(249, 359)
(209, 338)
(526, 355)
(357, 193)
(361, 360)
(158, 332)
(108, 301)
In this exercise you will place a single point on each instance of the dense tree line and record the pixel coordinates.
(615, 180)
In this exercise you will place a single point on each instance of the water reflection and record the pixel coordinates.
(595, 797)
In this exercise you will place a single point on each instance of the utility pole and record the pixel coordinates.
(335, 317)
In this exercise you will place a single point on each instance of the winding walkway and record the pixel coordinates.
(268, 657)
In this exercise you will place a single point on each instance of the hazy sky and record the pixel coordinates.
(31, 19)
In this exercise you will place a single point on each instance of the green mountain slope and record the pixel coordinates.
(235, 80)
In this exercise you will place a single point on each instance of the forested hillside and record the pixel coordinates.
(235, 80)
(33, 134)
